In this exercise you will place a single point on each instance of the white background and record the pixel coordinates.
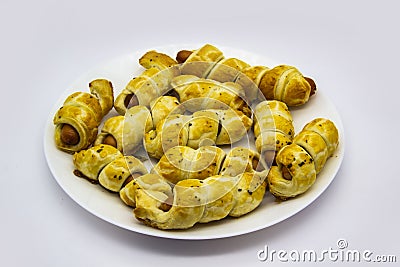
(349, 47)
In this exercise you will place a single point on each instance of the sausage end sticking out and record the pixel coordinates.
(286, 174)
(110, 140)
(312, 84)
(131, 101)
(183, 55)
(69, 135)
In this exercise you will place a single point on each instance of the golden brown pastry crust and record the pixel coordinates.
(249, 80)
(113, 126)
(103, 90)
(162, 106)
(151, 182)
(239, 160)
(182, 162)
(284, 83)
(129, 130)
(198, 94)
(153, 82)
(327, 130)
(154, 59)
(138, 87)
(201, 61)
(227, 70)
(169, 132)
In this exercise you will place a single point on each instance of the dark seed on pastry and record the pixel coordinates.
(69, 135)
(131, 101)
(110, 140)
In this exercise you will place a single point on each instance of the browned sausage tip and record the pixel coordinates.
(183, 55)
(312, 84)
(69, 135)
(131, 101)
(286, 174)
(110, 140)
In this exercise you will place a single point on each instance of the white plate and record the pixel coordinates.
(109, 207)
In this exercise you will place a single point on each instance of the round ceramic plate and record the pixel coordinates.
(109, 207)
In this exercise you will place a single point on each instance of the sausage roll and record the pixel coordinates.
(199, 201)
(273, 129)
(77, 121)
(285, 83)
(126, 132)
(299, 163)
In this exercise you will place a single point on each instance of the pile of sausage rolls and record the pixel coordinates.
(187, 112)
